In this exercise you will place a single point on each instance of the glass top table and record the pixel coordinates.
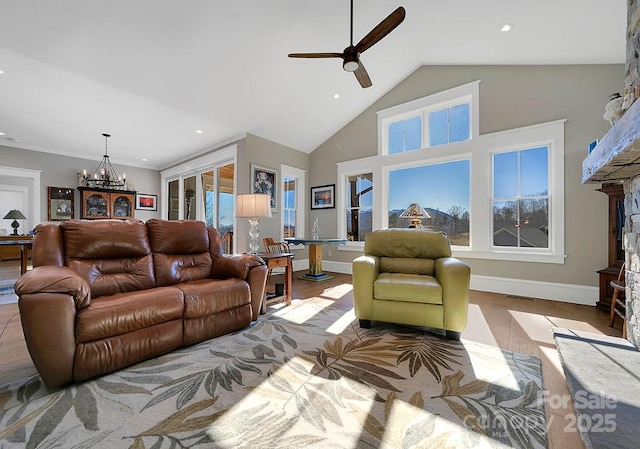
(315, 272)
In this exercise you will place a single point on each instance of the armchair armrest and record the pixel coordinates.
(454, 276)
(365, 270)
(54, 279)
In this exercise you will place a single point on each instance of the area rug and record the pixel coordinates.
(304, 376)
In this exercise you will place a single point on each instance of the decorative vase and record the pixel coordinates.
(613, 110)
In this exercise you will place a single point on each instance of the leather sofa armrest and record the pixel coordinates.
(248, 267)
(365, 270)
(54, 279)
(234, 266)
(454, 275)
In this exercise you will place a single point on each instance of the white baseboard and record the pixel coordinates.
(576, 294)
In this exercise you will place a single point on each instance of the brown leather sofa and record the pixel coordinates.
(107, 294)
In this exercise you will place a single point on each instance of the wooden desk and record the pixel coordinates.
(277, 260)
(315, 272)
(24, 242)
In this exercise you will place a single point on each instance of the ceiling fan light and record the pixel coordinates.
(350, 65)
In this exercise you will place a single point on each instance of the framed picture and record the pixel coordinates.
(146, 202)
(323, 197)
(60, 201)
(265, 180)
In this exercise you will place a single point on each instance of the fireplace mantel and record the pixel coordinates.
(617, 155)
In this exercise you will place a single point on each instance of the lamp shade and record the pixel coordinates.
(14, 214)
(415, 211)
(253, 205)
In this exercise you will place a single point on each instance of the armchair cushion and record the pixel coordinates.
(408, 288)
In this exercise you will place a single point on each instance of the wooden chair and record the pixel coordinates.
(270, 246)
(618, 306)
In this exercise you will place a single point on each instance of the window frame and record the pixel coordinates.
(467, 93)
(480, 149)
(287, 171)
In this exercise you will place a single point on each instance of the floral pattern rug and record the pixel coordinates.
(303, 376)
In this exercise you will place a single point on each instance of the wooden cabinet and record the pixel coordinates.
(107, 203)
(615, 243)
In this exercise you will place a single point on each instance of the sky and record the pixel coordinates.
(438, 186)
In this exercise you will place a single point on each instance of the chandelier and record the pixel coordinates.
(105, 175)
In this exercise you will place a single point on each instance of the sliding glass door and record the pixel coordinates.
(206, 196)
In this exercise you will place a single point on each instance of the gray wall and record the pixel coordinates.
(62, 171)
(510, 97)
(268, 154)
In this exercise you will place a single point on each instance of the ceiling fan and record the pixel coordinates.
(351, 55)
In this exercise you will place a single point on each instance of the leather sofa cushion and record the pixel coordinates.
(180, 251)
(122, 313)
(407, 287)
(113, 256)
(110, 276)
(105, 239)
(416, 243)
(207, 297)
(407, 265)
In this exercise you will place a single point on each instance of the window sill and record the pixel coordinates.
(487, 255)
(514, 256)
(352, 246)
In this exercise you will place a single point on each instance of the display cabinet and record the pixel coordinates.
(615, 243)
(107, 203)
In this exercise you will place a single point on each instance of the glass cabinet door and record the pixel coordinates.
(121, 205)
(95, 204)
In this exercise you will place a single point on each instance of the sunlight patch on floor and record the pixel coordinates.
(337, 292)
(478, 329)
(539, 327)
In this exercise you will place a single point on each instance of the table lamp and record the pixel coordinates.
(415, 212)
(253, 206)
(16, 215)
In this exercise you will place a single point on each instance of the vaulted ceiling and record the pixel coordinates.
(152, 72)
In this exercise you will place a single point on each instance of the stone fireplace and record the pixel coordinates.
(616, 158)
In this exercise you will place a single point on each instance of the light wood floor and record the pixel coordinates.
(513, 323)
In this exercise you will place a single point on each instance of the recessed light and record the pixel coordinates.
(144, 159)
(198, 131)
(1, 133)
(1, 72)
(336, 95)
(505, 27)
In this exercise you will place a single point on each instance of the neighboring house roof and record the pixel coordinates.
(530, 237)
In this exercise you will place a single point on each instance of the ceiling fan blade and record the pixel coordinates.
(315, 55)
(362, 75)
(382, 29)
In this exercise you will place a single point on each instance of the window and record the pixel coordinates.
(449, 125)
(521, 198)
(405, 135)
(432, 121)
(359, 202)
(289, 208)
(293, 201)
(431, 186)
(498, 196)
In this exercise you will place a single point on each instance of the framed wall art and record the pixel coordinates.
(265, 180)
(60, 203)
(146, 202)
(323, 197)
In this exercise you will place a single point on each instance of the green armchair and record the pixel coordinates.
(407, 276)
